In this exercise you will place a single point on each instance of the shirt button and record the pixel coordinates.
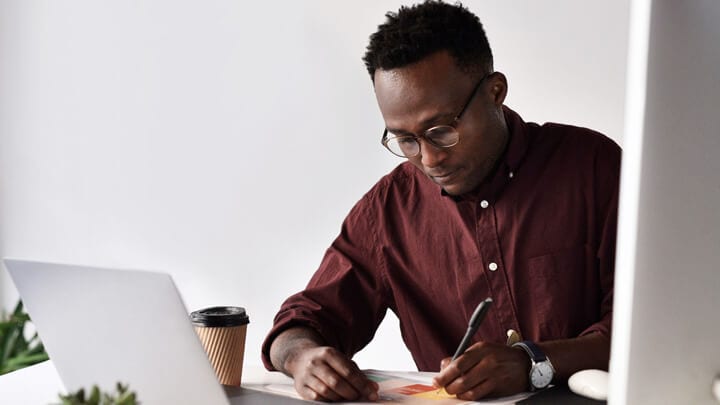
(492, 266)
(484, 204)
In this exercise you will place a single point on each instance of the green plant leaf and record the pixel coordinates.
(9, 343)
(94, 396)
(98, 397)
(19, 362)
(80, 395)
(3, 339)
(15, 350)
(127, 399)
(37, 348)
(18, 308)
(20, 343)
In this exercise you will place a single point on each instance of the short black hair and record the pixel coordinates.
(418, 31)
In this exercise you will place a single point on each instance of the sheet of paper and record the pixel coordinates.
(398, 387)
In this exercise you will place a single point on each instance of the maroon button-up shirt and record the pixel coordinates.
(538, 236)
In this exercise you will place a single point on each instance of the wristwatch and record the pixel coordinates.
(541, 370)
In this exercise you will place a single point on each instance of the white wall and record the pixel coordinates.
(224, 141)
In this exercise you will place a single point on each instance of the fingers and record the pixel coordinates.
(480, 390)
(330, 376)
(449, 371)
(315, 389)
(355, 379)
(325, 386)
(484, 369)
(476, 378)
(445, 362)
(462, 374)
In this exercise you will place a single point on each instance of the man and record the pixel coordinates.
(486, 205)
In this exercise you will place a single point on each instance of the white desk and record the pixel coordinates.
(40, 384)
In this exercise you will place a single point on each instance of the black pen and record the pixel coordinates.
(475, 321)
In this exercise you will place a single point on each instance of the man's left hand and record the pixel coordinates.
(485, 369)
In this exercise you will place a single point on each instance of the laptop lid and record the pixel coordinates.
(101, 326)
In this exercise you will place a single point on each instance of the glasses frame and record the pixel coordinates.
(385, 139)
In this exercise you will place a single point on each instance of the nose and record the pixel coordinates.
(431, 155)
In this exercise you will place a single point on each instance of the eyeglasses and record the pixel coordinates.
(440, 136)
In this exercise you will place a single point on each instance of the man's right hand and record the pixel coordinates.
(321, 373)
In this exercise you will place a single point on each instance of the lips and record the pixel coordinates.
(442, 178)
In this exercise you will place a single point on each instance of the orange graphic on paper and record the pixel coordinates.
(423, 391)
(413, 389)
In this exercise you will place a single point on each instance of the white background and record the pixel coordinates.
(224, 141)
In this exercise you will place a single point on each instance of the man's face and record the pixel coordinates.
(431, 92)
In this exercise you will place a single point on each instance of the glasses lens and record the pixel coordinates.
(443, 136)
(404, 146)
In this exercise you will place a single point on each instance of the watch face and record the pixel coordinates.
(541, 375)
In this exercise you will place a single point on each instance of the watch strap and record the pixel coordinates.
(535, 353)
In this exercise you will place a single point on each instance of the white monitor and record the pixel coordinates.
(666, 331)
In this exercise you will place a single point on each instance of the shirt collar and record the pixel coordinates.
(510, 161)
(518, 142)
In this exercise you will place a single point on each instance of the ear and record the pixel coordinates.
(498, 88)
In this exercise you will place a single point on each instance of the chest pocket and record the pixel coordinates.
(561, 293)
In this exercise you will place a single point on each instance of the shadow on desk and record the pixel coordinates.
(559, 394)
(244, 396)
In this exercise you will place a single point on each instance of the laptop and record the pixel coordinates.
(100, 326)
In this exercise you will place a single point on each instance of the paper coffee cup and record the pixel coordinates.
(222, 333)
